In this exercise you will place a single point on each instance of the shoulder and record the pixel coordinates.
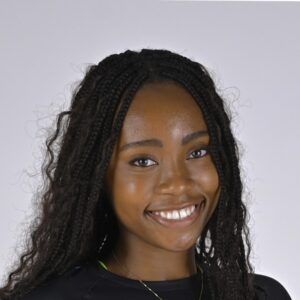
(74, 284)
(269, 288)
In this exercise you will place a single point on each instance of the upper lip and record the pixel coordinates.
(178, 207)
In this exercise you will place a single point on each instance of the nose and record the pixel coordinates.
(176, 180)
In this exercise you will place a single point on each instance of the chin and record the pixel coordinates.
(181, 245)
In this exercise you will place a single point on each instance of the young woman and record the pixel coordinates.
(143, 198)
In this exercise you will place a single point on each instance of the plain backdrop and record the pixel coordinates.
(252, 50)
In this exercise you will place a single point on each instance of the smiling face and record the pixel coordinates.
(161, 163)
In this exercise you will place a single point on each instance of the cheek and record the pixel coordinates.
(207, 179)
(205, 173)
(128, 196)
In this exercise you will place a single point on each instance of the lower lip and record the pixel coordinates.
(180, 222)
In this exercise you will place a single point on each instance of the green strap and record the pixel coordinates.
(102, 264)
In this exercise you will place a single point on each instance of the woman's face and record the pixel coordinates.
(161, 165)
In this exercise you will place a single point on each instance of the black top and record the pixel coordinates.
(93, 282)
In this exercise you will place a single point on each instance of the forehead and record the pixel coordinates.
(162, 108)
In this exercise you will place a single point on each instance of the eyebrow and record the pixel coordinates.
(158, 143)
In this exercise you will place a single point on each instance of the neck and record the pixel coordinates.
(149, 263)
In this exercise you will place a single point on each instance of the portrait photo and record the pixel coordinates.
(149, 150)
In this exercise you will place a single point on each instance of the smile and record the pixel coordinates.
(176, 214)
(177, 218)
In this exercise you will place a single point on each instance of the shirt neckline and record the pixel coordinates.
(182, 283)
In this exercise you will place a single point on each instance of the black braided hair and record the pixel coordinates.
(75, 212)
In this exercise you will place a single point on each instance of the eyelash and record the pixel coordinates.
(149, 158)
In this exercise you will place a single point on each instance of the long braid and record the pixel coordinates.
(107, 151)
(80, 218)
(103, 109)
(106, 132)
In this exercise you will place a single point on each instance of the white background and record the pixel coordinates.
(252, 50)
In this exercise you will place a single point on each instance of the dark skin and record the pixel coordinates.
(155, 177)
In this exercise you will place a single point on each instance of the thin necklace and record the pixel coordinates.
(147, 287)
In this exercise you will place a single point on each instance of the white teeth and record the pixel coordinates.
(176, 214)
(184, 213)
(164, 215)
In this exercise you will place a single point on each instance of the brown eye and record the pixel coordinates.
(142, 162)
(200, 152)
